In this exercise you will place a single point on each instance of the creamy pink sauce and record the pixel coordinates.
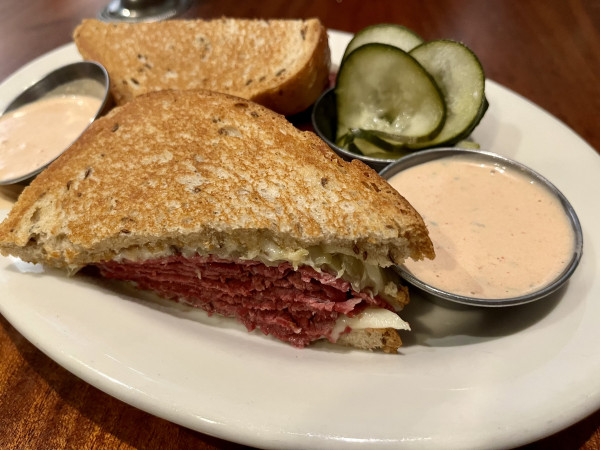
(35, 134)
(497, 233)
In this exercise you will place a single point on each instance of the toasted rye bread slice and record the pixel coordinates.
(199, 171)
(281, 64)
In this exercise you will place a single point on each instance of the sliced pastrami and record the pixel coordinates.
(296, 306)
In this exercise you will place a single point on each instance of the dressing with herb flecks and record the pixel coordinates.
(497, 232)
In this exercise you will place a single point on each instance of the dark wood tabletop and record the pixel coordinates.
(547, 51)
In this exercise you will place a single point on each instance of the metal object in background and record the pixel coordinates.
(143, 10)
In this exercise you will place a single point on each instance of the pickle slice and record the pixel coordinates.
(382, 88)
(460, 76)
(385, 33)
(368, 148)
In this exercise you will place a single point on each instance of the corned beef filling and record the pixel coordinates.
(296, 306)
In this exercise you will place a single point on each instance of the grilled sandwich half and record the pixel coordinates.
(219, 203)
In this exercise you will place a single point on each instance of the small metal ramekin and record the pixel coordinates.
(83, 78)
(427, 155)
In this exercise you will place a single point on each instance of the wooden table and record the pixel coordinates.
(547, 51)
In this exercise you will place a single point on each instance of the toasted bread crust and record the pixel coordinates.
(386, 339)
(282, 64)
(201, 170)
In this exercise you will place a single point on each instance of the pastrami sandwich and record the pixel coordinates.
(221, 204)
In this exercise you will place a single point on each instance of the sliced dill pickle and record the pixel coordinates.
(459, 75)
(369, 143)
(385, 33)
(384, 89)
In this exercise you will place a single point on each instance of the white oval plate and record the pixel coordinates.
(465, 378)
